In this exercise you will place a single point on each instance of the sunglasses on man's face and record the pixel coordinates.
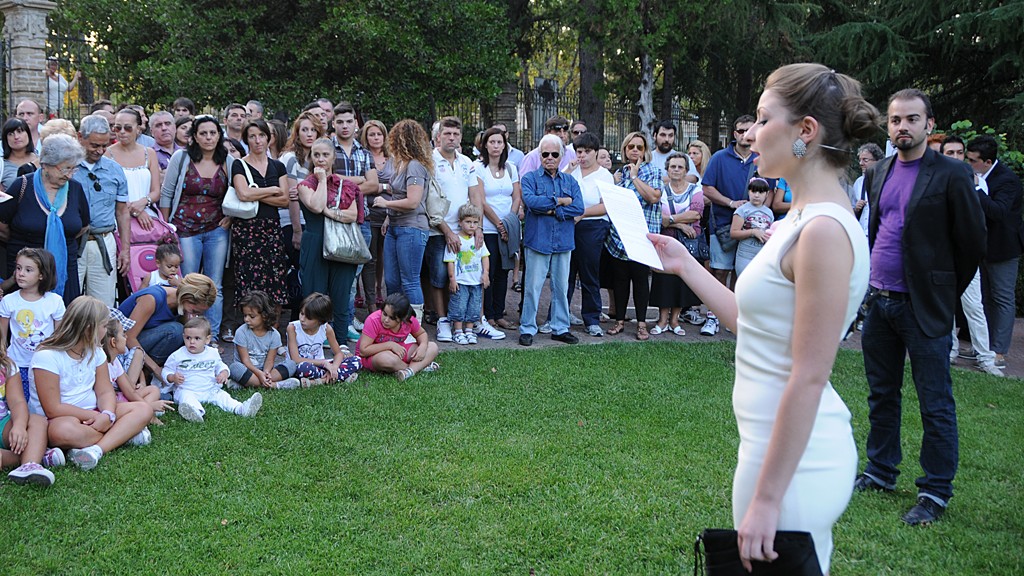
(741, 131)
(578, 132)
(559, 128)
(550, 154)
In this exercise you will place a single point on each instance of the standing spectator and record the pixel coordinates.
(306, 130)
(664, 141)
(681, 207)
(106, 187)
(750, 223)
(257, 252)
(28, 111)
(553, 201)
(163, 129)
(182, 129)
(373, 139)
(644, 179)
(725, 186)
(515, 155)
(919, 267)
(590, 232)
(604, 159)
(1002, 206)
(700, 155)
(19, 150)
(235, 116)
(503, 198)
(555, 126)
(57, 87)
(867, 156)
(254, 110)
(141, 171)
(183, 108)
(191, 197)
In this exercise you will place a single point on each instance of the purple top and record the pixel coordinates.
(887, 251)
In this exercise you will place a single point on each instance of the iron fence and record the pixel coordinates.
(6, 103)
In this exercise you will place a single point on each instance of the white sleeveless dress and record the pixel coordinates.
(139, 179)
(823, 483)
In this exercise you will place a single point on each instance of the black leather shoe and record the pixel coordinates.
(863, 483)
(924, 512)
(526, 339)
(567, 337)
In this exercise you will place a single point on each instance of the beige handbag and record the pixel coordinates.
(344, 242)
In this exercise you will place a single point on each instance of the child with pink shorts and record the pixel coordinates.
(383, 347)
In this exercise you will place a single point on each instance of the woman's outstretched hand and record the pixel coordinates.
(674, 256)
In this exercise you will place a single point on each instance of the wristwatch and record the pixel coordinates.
(111, 415)
(671, 220)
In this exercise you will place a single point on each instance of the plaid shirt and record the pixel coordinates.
(357, 164)
(651, 176)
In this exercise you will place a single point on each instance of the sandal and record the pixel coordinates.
(432, 367)
(678, 330)
(641, 333)
(659, 329)
(619, 327)
(404, 374)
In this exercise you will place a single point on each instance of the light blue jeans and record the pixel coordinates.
(207, 252)
(537, 268)
(403, 261)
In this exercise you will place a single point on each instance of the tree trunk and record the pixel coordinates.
(668, 86)
(591, 74)
(645, 107)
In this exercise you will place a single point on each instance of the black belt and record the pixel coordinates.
(891, 295)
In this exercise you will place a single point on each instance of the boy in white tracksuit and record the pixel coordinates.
(198, 373)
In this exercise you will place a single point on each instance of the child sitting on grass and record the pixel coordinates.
(115, 345)
(23, 435)
(197, 373)
(468, 276)
(305, 345)
(168, 267)
(383, 348)
(256, 343)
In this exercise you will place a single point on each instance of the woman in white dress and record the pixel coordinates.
(797, 459)
(141, 169)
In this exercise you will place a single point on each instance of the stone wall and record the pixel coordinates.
(26, 28)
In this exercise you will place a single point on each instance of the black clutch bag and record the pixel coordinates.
(721, 555)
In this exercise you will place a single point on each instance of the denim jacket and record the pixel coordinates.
(549, 228)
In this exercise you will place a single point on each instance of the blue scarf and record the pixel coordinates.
(55, 242)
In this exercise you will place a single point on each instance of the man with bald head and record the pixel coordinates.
(29, 112)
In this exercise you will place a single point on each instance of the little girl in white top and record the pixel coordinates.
(168, 271)
(305, 345)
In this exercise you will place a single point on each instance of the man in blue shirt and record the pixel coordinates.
(553, 200)
(107, 191)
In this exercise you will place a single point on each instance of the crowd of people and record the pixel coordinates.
(84, 376)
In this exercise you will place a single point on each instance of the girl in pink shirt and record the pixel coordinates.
(383, 347)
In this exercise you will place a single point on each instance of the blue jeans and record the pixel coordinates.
(403, 260)
(434, 264)
(537, 268)
(208, 252)
(465, 305)
(890, 333)
(161, 341)
(586, 262)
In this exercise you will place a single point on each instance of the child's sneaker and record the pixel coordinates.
(471, 337)
(189, 413)
(54, 457)
(710, 327)
(143, 438)
(485, 330)
(86, 458)
(31, 473)
(444, 330)
(288, 384)
(461, 338)
(351, 377)
(250, 407)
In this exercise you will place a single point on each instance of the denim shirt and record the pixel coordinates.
(550, 233)
(113, 187)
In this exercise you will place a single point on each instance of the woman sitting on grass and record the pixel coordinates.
(383, 348)
(70, 385)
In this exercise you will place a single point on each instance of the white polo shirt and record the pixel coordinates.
(455, 180)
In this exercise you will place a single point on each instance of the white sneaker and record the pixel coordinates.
(710, 327)
(143, 438)
(31, 473)
(250, 407)
(574, 321)
(991, 369)
(545, 328)
(485, 330)
(444, 329)
(357, 324)
(694, 317)
(461, 339)
(189, 413)
(595, 331)
(288, 384)
(86, 458)
(53, 458)
(471, 337)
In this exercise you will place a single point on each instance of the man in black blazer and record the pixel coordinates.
(927, 236)
(1002, 206)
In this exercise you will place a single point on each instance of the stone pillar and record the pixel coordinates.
(505, 106)
(25, 26)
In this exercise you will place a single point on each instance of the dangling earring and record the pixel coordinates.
(799, 148)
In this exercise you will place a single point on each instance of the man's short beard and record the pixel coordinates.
(664, 147)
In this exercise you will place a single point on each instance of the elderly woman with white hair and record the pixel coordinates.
(644, 179)
(553, 201)
(49, 210)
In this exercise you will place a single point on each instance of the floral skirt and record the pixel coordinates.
(259, 259)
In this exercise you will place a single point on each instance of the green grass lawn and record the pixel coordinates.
(574, 460)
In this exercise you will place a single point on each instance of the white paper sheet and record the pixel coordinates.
(628, 218)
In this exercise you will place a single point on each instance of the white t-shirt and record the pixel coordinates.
(77, 378)
(455, 181)
(497, 191)
(588, 187)
(310, 346)
(469, 267)
(30, 323)
(116, 371)
(200, 370)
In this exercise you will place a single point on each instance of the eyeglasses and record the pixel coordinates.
(550, 154)
(578, 132)
(95, 182)
(123, 128)
(635, 147)
(560, 128)
(67, 172)
(741, 131)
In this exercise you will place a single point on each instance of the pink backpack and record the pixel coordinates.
(142, 252)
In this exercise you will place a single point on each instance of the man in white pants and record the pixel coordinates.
(107, 191)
